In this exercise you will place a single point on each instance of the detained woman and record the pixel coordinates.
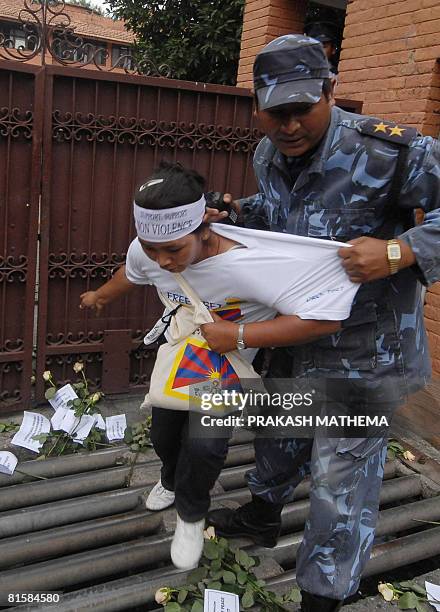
(263, 291)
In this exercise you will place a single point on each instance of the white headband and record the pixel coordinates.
(169, 223)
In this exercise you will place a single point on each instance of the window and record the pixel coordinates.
(16, 37)
(122, 57)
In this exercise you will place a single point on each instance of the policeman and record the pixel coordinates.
(328, 35)
(330, 174)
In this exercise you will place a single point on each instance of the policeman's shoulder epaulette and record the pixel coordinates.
(387, 130)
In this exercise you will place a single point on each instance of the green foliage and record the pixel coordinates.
(409, 595)
(394, 449)
(198, 39)
(226, 569)
(7, 427)
(56, 443)
(137, 436)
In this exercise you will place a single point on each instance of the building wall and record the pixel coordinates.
(263, 21)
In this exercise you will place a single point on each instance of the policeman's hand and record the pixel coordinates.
(220, 335)
(212, 215)
(90, 299)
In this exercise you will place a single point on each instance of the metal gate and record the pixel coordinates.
(73, 145)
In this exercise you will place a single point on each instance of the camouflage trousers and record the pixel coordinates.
(346, 477)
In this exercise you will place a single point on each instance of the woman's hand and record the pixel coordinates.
(91, 299)
(220, 335)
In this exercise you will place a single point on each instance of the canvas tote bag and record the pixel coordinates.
(186, 367)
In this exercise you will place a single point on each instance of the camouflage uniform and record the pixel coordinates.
(344, 192)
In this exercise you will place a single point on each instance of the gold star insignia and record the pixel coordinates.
(396, 131)
(380, 127)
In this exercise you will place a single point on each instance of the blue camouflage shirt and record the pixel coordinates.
(344, 192)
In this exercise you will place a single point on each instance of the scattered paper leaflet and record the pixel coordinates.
(219, 601)
(115, 427)
(33, 424)
(8, 462)
(433, 594)
(62, 396)
(99, 421)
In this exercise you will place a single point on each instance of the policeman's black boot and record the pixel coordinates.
(258, 520)
(316, 603)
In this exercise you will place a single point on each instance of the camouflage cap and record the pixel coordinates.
(289, 69)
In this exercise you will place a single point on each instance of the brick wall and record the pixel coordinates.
(263, 21)
(389, 60)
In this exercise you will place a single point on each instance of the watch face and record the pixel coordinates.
(393, 251)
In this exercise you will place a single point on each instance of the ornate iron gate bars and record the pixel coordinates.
(48, 34)
(21, 126)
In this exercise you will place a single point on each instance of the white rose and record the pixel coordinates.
(209, 533)
(96, 397)
(409, 456)
(386, 590)
(162, 596)
(47, 375)
(78, 367)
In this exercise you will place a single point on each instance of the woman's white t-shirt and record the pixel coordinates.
(274, 273)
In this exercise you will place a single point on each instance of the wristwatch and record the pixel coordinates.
(240, 342)
(394, 255)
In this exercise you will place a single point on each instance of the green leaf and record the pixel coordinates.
(242, 576)
(2, 427)
(216, 574)
(411, 585)
(420, 607)
(197, 606)
(216, 565)
(229, 577)
(293, 595)
(77, 402)
(408, 601)
(173, 606)
(210, 550)
(214, 585)
(49, 393)
(182, 596)
(247, 601)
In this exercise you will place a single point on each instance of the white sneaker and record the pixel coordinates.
(187, 544)
(159, 498)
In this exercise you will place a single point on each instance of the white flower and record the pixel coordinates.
(209, 534)
(386, 590)
(47, 375)
(78, 367)
(96, 397)
(409, 456)
(162, 595)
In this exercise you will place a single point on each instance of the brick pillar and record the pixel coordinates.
(389, 61)
(263, 21)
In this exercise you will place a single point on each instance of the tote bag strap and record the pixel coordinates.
(192, 296)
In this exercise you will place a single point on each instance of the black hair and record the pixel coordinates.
(179, 186)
